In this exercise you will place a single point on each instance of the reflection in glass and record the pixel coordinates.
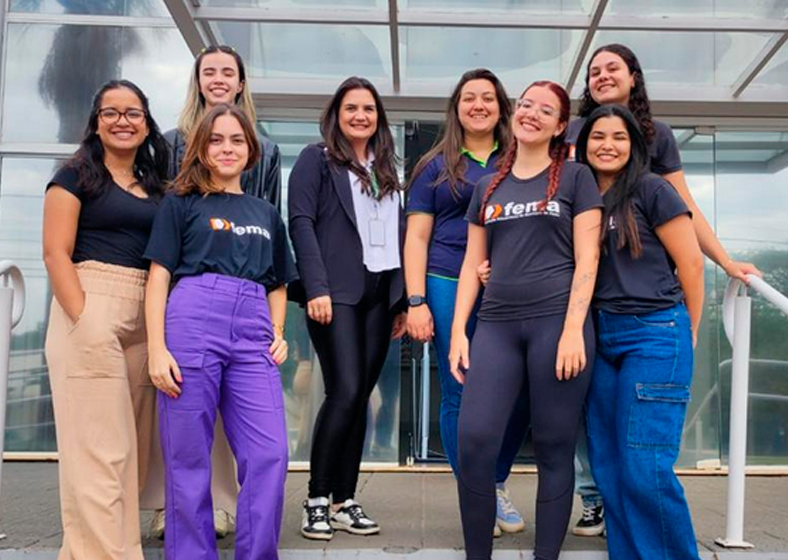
(701, 8)
(529, 6)
(688, 58)
(92, 7)
(775, 74)
(283, 50)
(435, 56)
(30, 422)
(48, 95)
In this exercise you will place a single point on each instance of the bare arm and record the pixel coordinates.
(162, 367)
(467, 292)
(571, 356)
(61, 216)
(678, 238)
(708, 241)
(277, 304)
(417, 241)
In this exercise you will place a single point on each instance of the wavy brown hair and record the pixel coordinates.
(381, 143)
(558, 151)
(195, 173)
(639, 104)
(450, 142)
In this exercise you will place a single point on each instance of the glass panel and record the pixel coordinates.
(277, 50)
(102, 7)
(752, 223)
(776, 71)
(701, 431)
(702, 8)
(302, 379)
(683, 58)
(434, 57)
(529, 6)
(275, 4)
(48, 96)
(30, 422)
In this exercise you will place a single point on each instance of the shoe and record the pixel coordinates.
(223, 523)
(351, 518)
(314, 523)
(156, 530)
(506, 515)
(592, 523)
(497, 531)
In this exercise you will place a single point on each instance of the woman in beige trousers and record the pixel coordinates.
(98, 211)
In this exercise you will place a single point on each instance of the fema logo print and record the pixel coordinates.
(515, 210)
(220, 224)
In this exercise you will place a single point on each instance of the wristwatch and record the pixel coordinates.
(415, 301)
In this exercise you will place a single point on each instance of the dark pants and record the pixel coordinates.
(352, 350)
(506, 357)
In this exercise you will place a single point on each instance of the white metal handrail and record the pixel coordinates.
(12, 306)
(736, 317)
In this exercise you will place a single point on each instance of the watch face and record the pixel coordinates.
(413, 301)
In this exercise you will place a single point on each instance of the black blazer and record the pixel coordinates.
(322, 224)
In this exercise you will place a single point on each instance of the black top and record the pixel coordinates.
(325, 235)
(663, 150)
(531, 252)
(646, 284)
(233, 235)
(264, 180)
(113, 227)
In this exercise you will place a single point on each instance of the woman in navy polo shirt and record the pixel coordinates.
(476, 133)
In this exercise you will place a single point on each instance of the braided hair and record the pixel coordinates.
(639, 103)
(558, 150)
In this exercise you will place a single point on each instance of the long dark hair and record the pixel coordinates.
(619, 197)
(450, 142)
(639, 103)
(558, 151)
(150, 163)
(381, 143)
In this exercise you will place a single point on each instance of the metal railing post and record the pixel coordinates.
(425, 403)
(737, 450)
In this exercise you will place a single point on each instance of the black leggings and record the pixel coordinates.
(505, 355)
(352, 350)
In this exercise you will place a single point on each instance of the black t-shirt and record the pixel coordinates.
(113, 227)
(231, 234)
(648, 283)
(532, 252)
(663, 150)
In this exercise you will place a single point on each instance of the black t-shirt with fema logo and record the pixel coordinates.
(531, 252)
(648, 283)
(231, 234)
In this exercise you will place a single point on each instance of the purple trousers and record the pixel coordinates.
(218, 329)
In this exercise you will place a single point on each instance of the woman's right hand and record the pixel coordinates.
(75, 309)
(483, 271)
(319, 309)
(420, 324)
(164, 372)
(458, 357)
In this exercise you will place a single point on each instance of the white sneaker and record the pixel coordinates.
(351, 518)
(314, 521)
(223, 523)
(156, 529)
(497, 531)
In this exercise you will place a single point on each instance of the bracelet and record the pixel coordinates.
(278, 329)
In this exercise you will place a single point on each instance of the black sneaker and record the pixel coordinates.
(351, 518)
(314, 523)
(592, 524)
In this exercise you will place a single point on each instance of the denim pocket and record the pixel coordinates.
(656, 417)
(665, 318)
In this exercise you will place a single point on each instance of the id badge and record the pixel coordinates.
(377, 233)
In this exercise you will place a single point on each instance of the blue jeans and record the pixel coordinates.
(441, 294)
(585, 487)
(636, 408)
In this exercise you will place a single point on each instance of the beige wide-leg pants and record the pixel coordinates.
(104, 410)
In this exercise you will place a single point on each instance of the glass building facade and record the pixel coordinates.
(717, 71)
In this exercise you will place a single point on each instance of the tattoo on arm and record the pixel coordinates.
(582, 281)
(580, 306)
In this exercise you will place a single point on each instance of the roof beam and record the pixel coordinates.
(335, 16)
(394, 38)
(695, 24)
(585, 46)
(759, 63)
(193, 33)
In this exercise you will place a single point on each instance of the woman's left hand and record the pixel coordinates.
(740, 270)
(571, 357)
(278, 349)
(400, 326)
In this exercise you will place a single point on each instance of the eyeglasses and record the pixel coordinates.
(110, 115)
(542, 111)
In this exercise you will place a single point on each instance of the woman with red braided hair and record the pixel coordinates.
(538, 222)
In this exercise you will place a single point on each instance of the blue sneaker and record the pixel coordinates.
(506, 515)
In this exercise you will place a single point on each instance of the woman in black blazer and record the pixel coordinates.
(347, 229)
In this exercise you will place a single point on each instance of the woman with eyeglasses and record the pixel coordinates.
(218, 76)
(98, 213)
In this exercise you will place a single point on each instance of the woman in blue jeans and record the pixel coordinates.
(476, 133)
(648, 303)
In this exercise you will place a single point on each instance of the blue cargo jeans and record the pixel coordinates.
(636, 407)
